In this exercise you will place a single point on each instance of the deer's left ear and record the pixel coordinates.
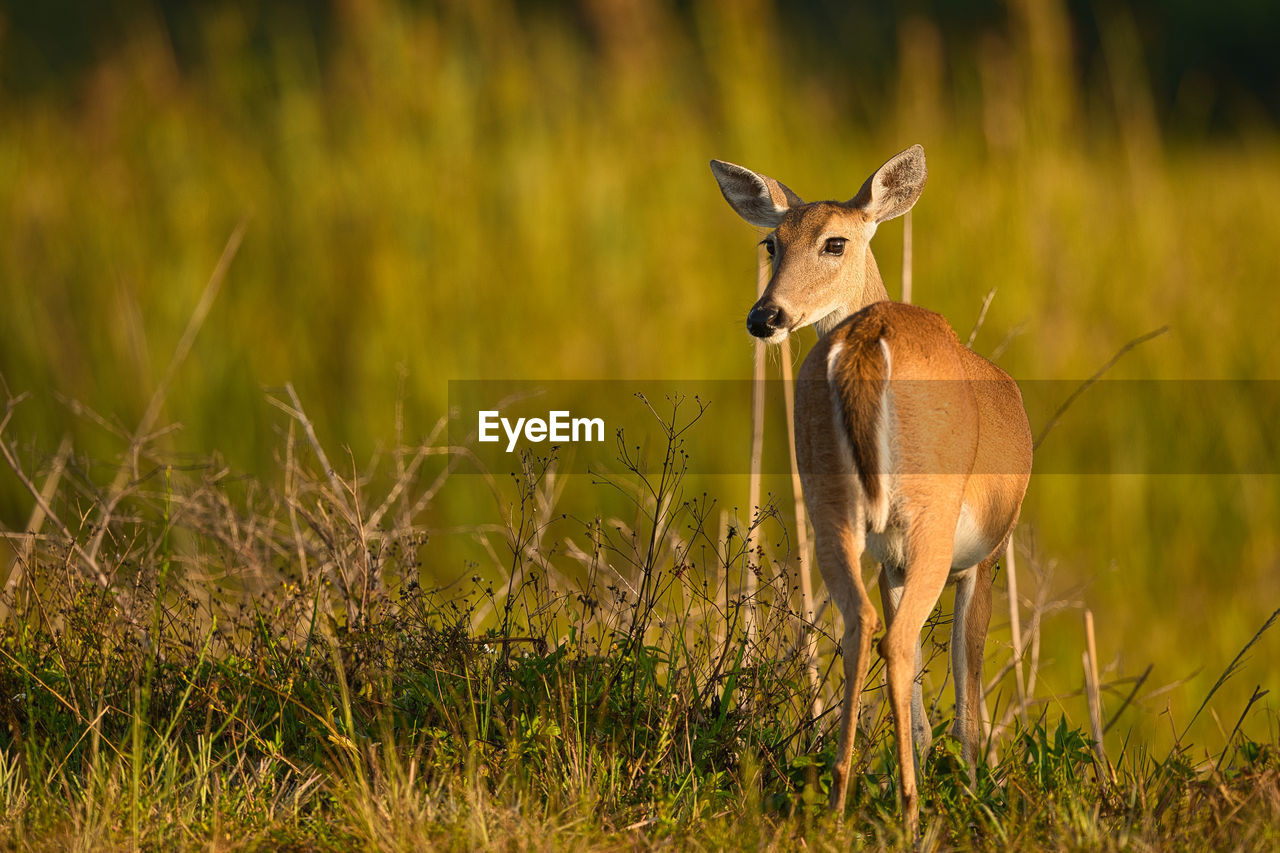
(894, 187)
(759, 199)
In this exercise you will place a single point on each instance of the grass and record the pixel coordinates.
(262, 670)
(474, 191)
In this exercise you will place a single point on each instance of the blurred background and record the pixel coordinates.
(519, 190)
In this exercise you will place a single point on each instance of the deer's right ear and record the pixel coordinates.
(759, 199)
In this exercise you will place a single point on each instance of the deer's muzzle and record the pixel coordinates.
(766, 319)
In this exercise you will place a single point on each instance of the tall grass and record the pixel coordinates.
(470, 190)
(263, 670)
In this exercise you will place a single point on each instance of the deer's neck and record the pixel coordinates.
(872, 290)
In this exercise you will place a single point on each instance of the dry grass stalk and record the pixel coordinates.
(1093, 694)
(1229, 671)
(1085, 385)
(982, 317)
(802, 537)
(1029, 639)
(26, 546)
(1015, 626)
(143, 434)
(757, 452)
(906, 257)
(42, 503)
(722, 540)
(294, 410)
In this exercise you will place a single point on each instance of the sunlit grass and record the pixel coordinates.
(476, 193)
(262, 670)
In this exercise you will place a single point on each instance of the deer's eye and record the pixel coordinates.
(834, 246)
(768, 247)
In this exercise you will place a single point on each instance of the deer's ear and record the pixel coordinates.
(759, 199)
(894, 187)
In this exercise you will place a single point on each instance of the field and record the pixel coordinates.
(259, 592)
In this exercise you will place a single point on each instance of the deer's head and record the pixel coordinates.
(823, 269)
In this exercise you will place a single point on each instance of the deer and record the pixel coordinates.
(909, 445)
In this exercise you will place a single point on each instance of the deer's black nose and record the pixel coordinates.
(765, 319)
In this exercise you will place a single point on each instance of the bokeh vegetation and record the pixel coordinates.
(493, 190)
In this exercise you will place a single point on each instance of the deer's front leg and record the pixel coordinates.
(839, 539)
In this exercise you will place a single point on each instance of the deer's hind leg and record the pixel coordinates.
(968, 642)
(929, 548)
(891, 579)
